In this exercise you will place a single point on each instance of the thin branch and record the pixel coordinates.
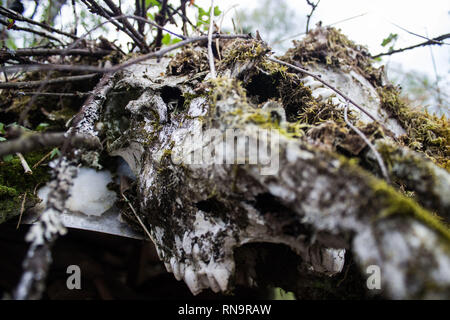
(9, 54)
(161, 19)
(39, 33)
(38, 83)
(210, 32)
(24, 163)
(371, 146)
(157, 54)
(102, 12)
(313, 8)
(417, 35)
(33, 142)
(141, 42)
(22, 209)
(328, 25)
(433, 41)
(137, 217)
(54, 94)
(18, 17)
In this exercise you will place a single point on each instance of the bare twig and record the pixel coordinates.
(328, 25)
(140, 40)
(35, 84)
(161, 19)
(313, 8)
(11, 54)
(39, 33)
(37, 164)
(210, 32)
(18, 17)
(24, 163)
(433, 41)
(157, 54)
(22, 209)
(417, 35)
(137, 217)
(95, 8)
(32, 142)
(54, 94)
(371, 146)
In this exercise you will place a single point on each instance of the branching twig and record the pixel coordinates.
(157, 54)
(433, 41)
(15, 16)
(39, 33)
(371, 146)
(140, 40)
(210, 32)
(313, 8)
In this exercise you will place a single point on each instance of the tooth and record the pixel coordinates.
(175, 268)
(196, 252)
(191, 280)
(168, 267)
(221, 275)
(213, 283)
(182, 267)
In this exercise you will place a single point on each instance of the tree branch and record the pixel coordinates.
(426, 43)
(33, 142)
(36, 84)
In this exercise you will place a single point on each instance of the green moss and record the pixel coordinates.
(243, 50)
(396, 204)
(330, 47)
(425, 133)
(14, 183)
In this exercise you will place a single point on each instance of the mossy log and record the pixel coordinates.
(321, 203)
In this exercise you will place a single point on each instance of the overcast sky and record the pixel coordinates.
(422, 17)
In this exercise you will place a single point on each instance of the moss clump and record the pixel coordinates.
(14, 183)
(425, 133)
(396, 204)
(189, 61)
(330, 47)
(242, 50)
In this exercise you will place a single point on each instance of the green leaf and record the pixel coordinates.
(2, 128)
(55, 152)
(217, 11)
(389, 39)
(8, 157)
(166, 39)
(152, 3)
(2, 139)
(42, 126)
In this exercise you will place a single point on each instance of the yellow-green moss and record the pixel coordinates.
(14, 183)
(396, 204)
(330, 47)
(425, 132)
(243, 50)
